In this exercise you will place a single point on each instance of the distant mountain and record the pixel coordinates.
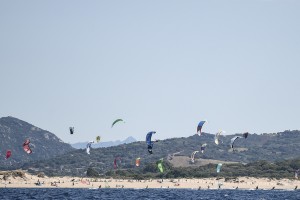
(82, 145)
(13, 133)
(270, 147)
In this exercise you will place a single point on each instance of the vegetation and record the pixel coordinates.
(282, 169)
(16, 173)
(268, 147)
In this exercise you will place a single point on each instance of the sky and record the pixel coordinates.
(159, 65)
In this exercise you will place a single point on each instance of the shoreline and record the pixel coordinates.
(239, 183)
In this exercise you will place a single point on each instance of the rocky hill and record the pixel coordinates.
(271, 147)
(13, 133)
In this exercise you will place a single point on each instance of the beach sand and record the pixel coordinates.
(31, 181)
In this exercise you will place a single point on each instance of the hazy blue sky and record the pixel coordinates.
(159, 65)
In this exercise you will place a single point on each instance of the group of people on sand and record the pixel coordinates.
(119, 186)
(38, 183)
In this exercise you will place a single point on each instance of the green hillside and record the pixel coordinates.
(269, 147)
(280, 169)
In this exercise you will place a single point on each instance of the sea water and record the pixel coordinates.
(182, 194)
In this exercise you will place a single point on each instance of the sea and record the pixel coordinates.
(137, 194)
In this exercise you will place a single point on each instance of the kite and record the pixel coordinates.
(115, 162)
(160, 165)
(8, 154)
(199, 127)
(233, 140)
(71, 130)
(116, 121)
(296, 173)
(88, 146)
(218, 135)
(138, 162)
(245, 135)
(26, 147)
(149, 142)
(193, 156)
(219, 167)
(98, 138)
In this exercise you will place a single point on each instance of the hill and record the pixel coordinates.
(270, 147)
(82, 145)
(13, 133)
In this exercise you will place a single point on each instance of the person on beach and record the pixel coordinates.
(219, 185)
(256, 188)
(38, 183)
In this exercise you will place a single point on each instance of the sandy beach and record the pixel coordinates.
(32, 181)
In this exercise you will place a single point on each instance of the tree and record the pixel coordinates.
(92, 173)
